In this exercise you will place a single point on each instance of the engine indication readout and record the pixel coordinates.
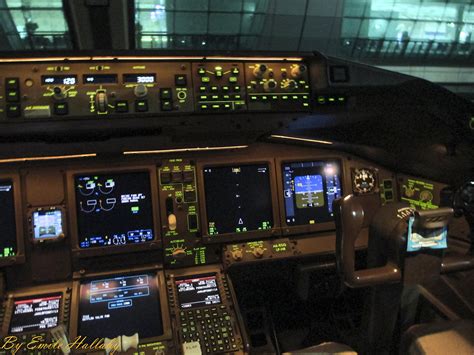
(114, 209)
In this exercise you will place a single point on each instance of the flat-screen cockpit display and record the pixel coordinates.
(309, 188)
(198, 291)
(238, 198)
(114, 209)
(37, 313)
(8, 243)
(120, 305)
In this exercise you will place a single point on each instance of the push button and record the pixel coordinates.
(61, 108)
(12, 83)
(165, 177)
(121, 106)
(166, 94)
(13, 110)
(141, 105)
(188, 176)
(189, 196)
(166, 105)
(176, 176)
(180, 80)
(13, 96)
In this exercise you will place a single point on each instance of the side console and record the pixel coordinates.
(203, 311)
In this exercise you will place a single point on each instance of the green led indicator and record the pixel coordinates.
(135, 209)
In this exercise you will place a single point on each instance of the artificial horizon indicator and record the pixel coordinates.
(310, 188)
(47, 224)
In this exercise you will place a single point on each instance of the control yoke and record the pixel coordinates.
(351, 217)
(388, 233)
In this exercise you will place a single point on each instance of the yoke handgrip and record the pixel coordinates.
(350, 218)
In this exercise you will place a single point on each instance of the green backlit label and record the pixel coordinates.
(280, 247)
(419, 194)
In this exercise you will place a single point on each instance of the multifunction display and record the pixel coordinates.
(238, 198)
(122, 305)
(198, 291)
(33, 314)
(309, 191)
(114, 209)
(47, 224)
(8, 244)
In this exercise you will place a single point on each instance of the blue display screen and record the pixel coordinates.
(309, 191)
(114, 209)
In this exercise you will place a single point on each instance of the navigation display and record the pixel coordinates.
(198, 291)
(33, 314)
(238, 198)
(47, 224)
(8, 243)
(114, 209)
(121, 305)
(309, 190)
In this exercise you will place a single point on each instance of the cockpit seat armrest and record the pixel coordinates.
(325, 348)
(450, 337)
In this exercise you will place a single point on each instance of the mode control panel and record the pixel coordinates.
(97, 90)
(100, 88)
(219, 86)
(180, 215)
(277, 86)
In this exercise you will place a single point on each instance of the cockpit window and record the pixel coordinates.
(350, 28)
(33, 25)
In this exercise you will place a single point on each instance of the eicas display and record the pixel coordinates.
(114, 209)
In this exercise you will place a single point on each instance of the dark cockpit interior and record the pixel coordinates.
(236, 177)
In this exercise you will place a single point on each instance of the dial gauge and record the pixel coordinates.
(364, 181)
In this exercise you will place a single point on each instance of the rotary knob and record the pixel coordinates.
(270, 85)
(237, 255)
(59, 93)
(101, 101)
(258, 252)
(259, 70)
(291, 85)
(140, 90)
(298, 70)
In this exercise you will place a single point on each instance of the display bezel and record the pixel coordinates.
(121, 249)
(305, 228)
(47, 208)
(17, 202)
(161, 287)
(235, 237)
(36, 292)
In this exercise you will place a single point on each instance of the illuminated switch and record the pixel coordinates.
(236, 88)
(141, 105)
(201, 71)
(388, 195)
(205, 79)
(233, 79)
(387, 184)
(192, 221)
(176, 176)
(166, 105)
(225, 89)
(235, 71)
(165, 177)
(12, 83)
(188, 176)
(180, 80)
(214, 89)
(13, 110)
(13, 96)
(121, 106)
(202, 89)
(61, 108)
(189, 196)
(166, 94)
(43, 111)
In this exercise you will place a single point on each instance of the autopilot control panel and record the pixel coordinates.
(150, 86)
